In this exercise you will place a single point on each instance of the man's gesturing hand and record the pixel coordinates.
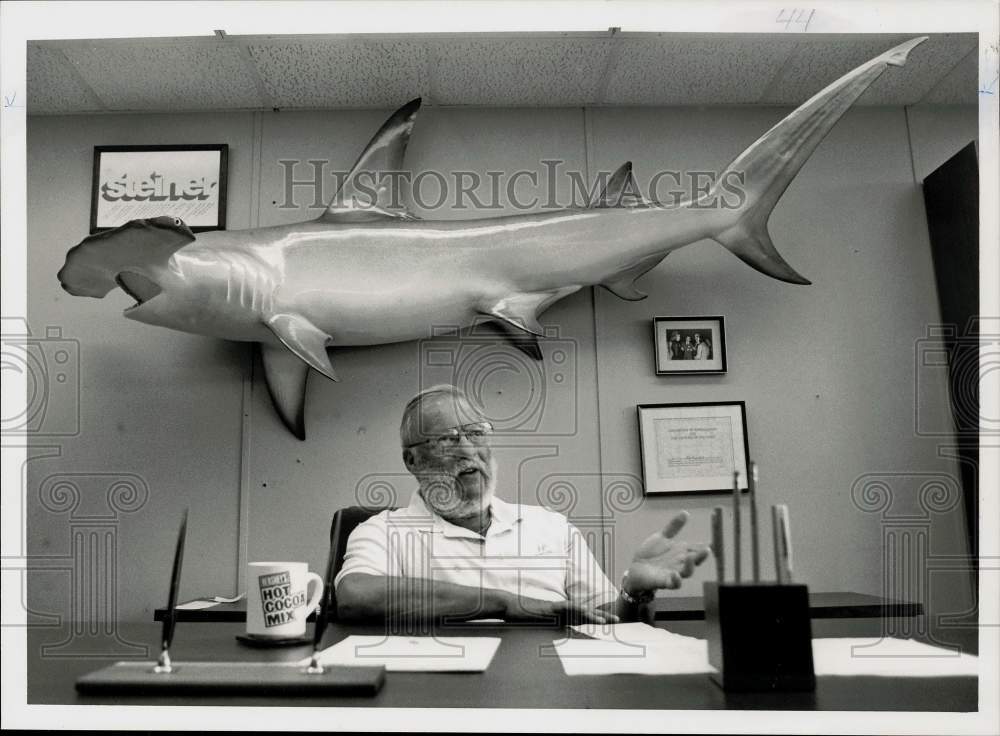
(661, 561)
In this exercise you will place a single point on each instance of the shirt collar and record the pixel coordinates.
(504, 514)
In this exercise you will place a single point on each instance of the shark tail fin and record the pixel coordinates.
(765, 169)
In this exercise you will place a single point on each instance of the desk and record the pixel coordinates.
(525, 673)
(821, 605)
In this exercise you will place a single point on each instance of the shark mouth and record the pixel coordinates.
(138, 287)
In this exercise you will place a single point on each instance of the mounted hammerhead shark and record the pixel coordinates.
(364, 273)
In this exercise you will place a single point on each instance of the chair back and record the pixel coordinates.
(344, 522)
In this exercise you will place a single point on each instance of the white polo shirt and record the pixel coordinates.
(528, 550)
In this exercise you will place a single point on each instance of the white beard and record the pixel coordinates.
(453, 496)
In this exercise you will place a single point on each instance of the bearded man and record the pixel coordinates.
(459, 551)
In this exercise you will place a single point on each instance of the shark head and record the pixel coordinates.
(133, 256)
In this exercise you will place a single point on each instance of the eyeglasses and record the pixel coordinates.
(476, 434)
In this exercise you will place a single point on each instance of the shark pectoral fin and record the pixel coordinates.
(521, 309)
(622, 285)
(304, 339)
(286, 382)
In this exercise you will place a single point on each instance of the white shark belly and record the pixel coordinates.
(356, 308)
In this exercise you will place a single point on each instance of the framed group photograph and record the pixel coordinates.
(693, 448)
(687, 345)
(138, 182)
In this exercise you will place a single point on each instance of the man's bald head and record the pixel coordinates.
(435, 410)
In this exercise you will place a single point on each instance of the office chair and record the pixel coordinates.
(344, 522)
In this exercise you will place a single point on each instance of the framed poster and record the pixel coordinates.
(136, 182)
(693, 448)
(690, 345)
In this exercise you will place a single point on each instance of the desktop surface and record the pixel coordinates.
(667, 608)
(525, 673)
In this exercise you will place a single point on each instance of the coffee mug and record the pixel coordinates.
(277, 604)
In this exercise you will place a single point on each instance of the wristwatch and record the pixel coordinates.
(644, 597)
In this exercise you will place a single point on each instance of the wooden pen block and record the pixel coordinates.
(759, 637)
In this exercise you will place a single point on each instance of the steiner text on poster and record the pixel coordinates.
(154, 181)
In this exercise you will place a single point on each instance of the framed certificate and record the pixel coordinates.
(139, 182)
(693, 448)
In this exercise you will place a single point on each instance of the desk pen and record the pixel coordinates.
(754, 535)
(170, 619)
(323, 615)
(737, 540)
(786, 539)
(782, 544)
(717, 545)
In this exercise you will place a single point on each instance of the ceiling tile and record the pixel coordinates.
(341, 72)
(519, 71)
(819, 60)
(502, 70)
(174, 75)
(52, 86)
(959, 86)
(695, 70)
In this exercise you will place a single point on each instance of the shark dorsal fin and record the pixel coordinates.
(620, 191)
(368, 193)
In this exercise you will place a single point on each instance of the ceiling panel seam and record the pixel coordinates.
(945, 76)
(250, 66)
(610, 67)
(779, 75)
(78, 75)
(430, 81)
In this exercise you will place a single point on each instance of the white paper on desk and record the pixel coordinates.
(414, 653)
(889, 657)
(196, 605)
(637, 648)
(632, 648)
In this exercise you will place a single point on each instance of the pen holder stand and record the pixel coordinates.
(759, 637)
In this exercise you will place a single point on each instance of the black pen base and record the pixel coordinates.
(229, 678)
(759, 637)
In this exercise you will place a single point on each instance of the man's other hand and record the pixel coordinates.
(523, 609)
(662, 561)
